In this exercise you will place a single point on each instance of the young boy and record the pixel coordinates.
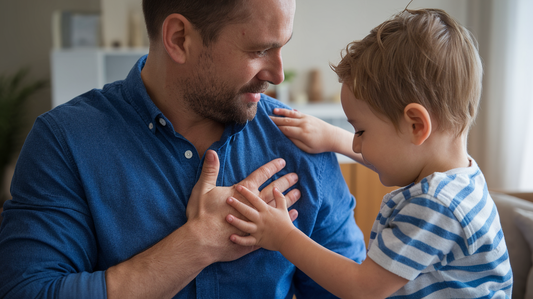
(411, 90)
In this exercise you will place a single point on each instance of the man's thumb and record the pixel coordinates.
(208, 177)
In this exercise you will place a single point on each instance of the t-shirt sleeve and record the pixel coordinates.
(47, 240)
(417, 238)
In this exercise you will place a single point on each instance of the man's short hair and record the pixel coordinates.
(207, 16)
(418, 56)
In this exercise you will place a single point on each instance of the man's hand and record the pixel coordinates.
(207, 206)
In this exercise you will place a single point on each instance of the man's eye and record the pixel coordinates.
(261, 53)
(359, 133)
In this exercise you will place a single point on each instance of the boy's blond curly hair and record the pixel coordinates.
(418, 56)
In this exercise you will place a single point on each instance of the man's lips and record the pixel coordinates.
(252, 97)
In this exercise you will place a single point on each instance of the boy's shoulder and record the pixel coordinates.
(463, 193)
(465, 185)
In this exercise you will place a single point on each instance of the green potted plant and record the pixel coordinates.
(14, 93)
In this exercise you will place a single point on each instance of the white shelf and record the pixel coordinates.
(76, 71)
(321, 110)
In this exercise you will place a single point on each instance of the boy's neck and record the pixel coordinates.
(446, 152)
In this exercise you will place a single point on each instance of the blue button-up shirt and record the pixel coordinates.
(105, 176)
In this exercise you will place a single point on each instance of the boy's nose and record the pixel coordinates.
(356, 145)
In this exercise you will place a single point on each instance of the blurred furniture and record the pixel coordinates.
(365, 185)
(516, 217)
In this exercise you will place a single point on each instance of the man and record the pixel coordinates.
(109, 195)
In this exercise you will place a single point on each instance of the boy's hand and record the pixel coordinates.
(268, 227)
(307, 132)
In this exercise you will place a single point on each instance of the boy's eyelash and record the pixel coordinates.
(359, 133)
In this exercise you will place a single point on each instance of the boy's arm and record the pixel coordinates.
(271, 228)
(338, 274)
(314, 135)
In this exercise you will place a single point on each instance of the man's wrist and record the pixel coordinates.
(161, 270)
(196, 237)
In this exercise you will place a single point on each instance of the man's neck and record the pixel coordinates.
(200, 131)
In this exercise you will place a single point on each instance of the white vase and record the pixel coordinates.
(283, 92)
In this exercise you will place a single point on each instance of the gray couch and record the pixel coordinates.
(516, 216)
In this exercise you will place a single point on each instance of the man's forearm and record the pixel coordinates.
(162, 270)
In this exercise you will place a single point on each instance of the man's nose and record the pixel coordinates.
(272, 71)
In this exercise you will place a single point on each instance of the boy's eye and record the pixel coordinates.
(359, 133)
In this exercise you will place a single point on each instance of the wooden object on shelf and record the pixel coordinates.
(365, 185)
(315, 90)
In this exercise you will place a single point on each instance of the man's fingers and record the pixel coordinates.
(292, 197)
(283, 183)
(208, 177)
(293, 214)
(263, 173)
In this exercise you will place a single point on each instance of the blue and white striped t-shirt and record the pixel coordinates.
(444, 235)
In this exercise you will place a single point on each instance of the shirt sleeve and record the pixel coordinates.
(335, 226)
(47, 239)
(417, 238)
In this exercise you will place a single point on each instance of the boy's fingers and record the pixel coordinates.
(243, 241)
(242, 208)
(285, 121)
(290, 131)
(281, 203)
(287, 112)
(247, 227)
(291, 197)
(255, 200)
(283, 183)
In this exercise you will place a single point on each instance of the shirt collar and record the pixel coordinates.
(137, 96)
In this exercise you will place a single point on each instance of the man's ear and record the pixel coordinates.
(176, 37)
(419, 122)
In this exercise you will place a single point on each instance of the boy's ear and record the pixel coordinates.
(419, 122)
(176, 37)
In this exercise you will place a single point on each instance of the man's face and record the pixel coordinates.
(231, 72)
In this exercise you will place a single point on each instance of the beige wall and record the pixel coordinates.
(25, 41)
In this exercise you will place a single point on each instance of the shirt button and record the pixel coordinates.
(150, 126)
(162, 122)
(188, 154)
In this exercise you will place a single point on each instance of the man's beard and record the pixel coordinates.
(210, 97)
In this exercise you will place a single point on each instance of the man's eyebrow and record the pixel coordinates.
(274, 45)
